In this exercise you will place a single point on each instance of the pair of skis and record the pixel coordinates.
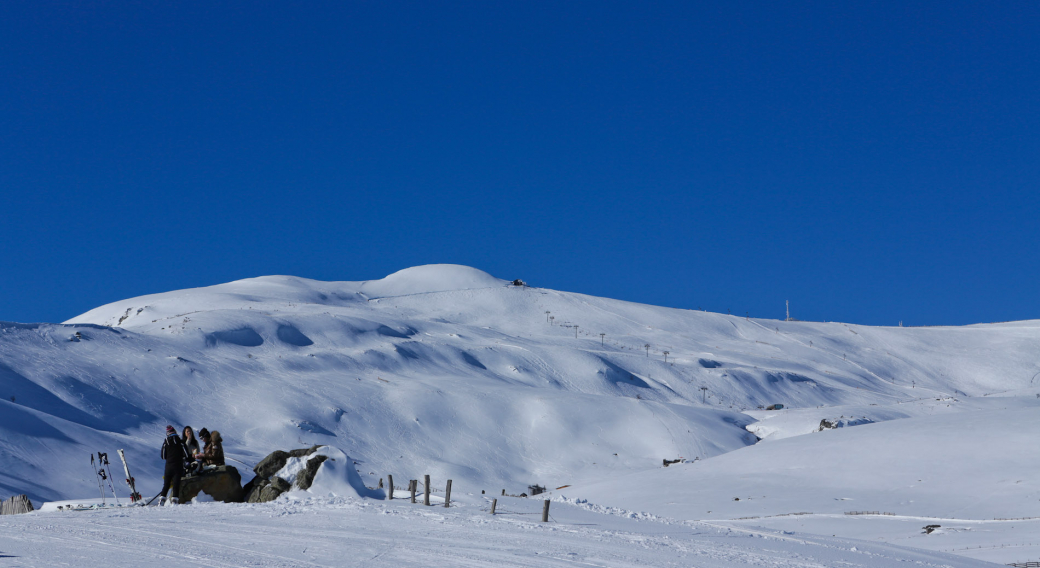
(103, 476)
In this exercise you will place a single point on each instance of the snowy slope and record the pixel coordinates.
(447, 370)
(411, 373)
(988, 464)
(973, 472)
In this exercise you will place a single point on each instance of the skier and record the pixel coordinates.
(175, 455)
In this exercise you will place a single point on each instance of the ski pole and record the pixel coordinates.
(98, 477)
(104, 478)
(103, 458)
(111, 483)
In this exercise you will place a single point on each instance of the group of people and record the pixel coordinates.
(184, 457)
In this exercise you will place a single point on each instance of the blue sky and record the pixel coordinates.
(870, 162)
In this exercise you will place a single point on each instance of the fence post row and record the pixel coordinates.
(411, 488)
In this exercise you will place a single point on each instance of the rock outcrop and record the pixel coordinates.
(261, 490)
(222, 483)
(842, 422)
(306, 477)
(267, 486)
(16, 505)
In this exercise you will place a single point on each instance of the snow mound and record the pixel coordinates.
(430, 278)
(336, 477)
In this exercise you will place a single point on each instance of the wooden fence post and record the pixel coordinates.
(390, 479)
(411, 487)
(426, 492)
(545, 512)
(494, 503)
(447, 494)
(503, 492)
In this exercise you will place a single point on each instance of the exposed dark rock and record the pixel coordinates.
(222, 483)
(842, 422)
(305, 478)
(266, 486)
(275, 461)
(271, 464)
(269, 493)
(280, 484)
(248, 488)
(264, 490)
(256, 487)
(303, 452)
(16, 505)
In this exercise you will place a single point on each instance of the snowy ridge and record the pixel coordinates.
(449, 371)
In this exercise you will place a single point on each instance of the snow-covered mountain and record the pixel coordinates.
(447, 370)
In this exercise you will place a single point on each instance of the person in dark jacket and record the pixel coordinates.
(175, 455)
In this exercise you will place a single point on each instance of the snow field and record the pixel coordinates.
(347, 532)
(448, 371)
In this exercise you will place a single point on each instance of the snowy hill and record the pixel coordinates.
(447, 370)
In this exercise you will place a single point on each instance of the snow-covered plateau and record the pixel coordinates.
(447, 371)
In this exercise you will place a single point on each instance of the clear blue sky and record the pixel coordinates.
(871, 162)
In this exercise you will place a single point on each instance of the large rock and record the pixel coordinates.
(260, 490)
(16, 505)
(222, 483)
(275, 461)
(266, 486)
(271, 464)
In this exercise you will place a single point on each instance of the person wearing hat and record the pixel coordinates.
(175, 455)
(213, 454)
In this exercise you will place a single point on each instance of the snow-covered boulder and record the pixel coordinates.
(320, 470)
(328, 472)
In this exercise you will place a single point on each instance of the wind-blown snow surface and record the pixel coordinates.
(343, 532)
(449, 371)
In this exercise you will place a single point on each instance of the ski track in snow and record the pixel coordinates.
(343, 533)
